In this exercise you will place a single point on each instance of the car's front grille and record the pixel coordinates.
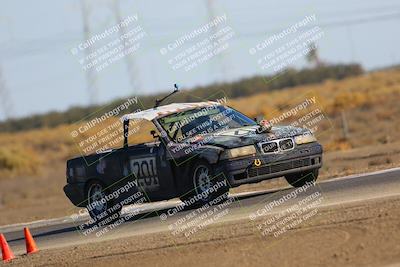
(281, 167)
(301, 163)
(276, 146)
(277, 167)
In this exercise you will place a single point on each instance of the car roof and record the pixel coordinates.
(161, 111)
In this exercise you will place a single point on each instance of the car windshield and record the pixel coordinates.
(187, 125)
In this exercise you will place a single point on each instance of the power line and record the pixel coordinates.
(46, 45)
(334, 24)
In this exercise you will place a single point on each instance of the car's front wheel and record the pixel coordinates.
(205, 186)
(98, 206)
(300, 179)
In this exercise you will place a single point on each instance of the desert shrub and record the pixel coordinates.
(18, 161)
(349, 100)
(336, 145)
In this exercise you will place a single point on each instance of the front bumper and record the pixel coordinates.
(76, 194)
(302, 158)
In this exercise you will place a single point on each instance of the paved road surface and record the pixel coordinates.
(62, 232)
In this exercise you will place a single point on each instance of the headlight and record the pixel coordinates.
(304, 139)
(238, 152)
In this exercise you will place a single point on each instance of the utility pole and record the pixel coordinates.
(211, 16)
(5, 99)
(345, 127)
(90, 74)
(129, 60)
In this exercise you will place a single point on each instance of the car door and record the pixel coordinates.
(147, 165)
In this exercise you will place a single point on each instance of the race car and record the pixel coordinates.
(200, 150)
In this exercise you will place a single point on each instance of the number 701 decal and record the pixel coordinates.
(143, 167)
(145, 171)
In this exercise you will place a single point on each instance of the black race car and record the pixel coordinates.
(200, 151)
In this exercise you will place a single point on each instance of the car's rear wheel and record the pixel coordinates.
(204, 186)
(98, 206)
(300, 179)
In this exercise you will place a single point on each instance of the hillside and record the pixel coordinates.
(241, 88)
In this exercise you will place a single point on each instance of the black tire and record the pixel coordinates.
(202, 181)
(300, 179)
(101, 211)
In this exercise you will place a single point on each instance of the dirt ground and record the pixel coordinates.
(358, 234)
(36, 198)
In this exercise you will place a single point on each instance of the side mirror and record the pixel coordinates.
(154, 134)
(264, 125)
(259, 118)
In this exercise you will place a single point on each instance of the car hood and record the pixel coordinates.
(232, 138)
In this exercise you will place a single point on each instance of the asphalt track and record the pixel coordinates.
(60, 232)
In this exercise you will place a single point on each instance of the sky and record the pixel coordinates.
(40, 73)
